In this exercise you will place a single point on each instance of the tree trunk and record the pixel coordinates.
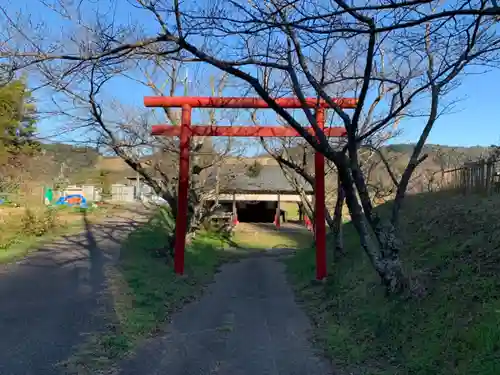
(167, 252)
(390, 247)
(384, 255)
(337, 220)
(387, 263)
(330, 221)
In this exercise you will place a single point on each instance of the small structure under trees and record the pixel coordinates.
(256, 196)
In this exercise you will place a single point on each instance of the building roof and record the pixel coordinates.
(234, 178)
(270, 179)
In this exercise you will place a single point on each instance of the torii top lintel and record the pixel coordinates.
(241, 102)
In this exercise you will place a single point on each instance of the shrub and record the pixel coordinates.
(7, 239)
(254, 169)
(35, 223)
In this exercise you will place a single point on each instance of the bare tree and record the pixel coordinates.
(317, 49)
(371, 157)
(125, 132)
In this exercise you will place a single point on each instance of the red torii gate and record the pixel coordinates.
(186, 131)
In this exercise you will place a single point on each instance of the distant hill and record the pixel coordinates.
(440, 158)
(460, 153)
(72, 157)
(84, 163)
(457, 154)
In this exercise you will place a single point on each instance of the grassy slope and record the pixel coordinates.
(452, 246)
(145, 291)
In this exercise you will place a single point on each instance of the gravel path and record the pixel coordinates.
(247, 323)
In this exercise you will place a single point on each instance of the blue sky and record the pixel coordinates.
(475, 121)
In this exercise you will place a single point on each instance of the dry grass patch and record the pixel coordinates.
(23, 229)
(253, 236)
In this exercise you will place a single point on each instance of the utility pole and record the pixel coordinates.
(137, 186)
(186, 83)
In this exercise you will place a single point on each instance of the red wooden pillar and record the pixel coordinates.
(182, 196)
(319, 203)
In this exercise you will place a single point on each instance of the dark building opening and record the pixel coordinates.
(256, 212)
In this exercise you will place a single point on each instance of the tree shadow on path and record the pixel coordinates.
(53, 298)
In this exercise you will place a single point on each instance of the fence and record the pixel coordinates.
(478, 177)
(90, 192)
(123, 193)
(119, 194)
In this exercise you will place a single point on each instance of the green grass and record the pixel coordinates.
(20, 246)
(16, 243)
(452, 247)
(272, 239)
(292, 210)
(145, 290)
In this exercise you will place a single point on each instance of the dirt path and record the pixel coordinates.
(247, 323)
(51, 299)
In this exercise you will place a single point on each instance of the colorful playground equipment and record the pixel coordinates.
(73, 200)
(70, 200)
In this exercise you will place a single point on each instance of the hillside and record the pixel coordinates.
(80, 163)
(439, 158)
(438, 154)
(443, 153)
(73, 156)
(452, 248)
(69, 160)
